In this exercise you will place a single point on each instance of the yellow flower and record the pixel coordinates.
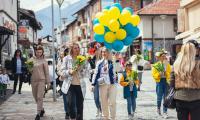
(81, 58)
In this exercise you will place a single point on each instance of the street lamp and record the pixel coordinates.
(60, 2)
(163, 17)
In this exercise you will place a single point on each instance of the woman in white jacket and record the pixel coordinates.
(74, 85)
(104, 76)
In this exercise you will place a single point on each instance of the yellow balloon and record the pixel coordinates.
(135, 20)
(109, 37)
(114, 25)
(105, 11)
(121, 34)
(98, 14)
(114, 13)
(125, 17)
(104, 19)
(128, 13)
(99, 29)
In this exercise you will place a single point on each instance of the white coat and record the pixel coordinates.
(66, 66)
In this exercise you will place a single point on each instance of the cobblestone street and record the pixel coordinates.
(22, 107)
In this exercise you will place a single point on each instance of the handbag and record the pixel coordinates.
(169, 101)
(101, 81)
(140, 67)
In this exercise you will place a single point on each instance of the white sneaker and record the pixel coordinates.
(165, 115)
(130, 117)
(98, 114)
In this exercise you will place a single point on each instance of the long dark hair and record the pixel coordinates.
(16, 51)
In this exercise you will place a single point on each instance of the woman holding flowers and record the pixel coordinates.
(73, 72)
(39, 78)
(129, 80)
(104, 76)
(161, 74)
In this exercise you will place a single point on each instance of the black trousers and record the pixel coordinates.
(75, 102)
(16, 76)
(184, 108)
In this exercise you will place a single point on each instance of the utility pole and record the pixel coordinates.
(53, 37)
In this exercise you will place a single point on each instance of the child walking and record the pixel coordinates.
(129, 80)
(4, 81)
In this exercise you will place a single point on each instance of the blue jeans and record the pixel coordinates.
(131, 103)
(161, 91)
(65, 102)
(96, 97)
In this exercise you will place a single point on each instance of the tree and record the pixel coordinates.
(2, 43)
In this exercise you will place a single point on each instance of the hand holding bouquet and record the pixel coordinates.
(29, 65)
(160, 67)
(80, 60)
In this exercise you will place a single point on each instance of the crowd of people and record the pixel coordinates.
(104, 70)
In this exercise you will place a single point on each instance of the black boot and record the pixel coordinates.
(37, 117)
(42, 113)
(67, 116)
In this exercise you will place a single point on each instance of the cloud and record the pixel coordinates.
(37, 5)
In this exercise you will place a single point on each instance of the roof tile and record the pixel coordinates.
(161, 7)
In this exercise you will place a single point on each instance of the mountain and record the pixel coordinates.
(44, 16)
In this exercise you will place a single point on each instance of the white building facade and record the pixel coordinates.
(8, 26)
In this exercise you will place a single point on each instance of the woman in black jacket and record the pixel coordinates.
(18, 68)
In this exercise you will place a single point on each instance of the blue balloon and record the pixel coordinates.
(95, 21)
(107, 7)
(99, 38)
(128, 40)
(132, 31)
(118, 6)
(135, 32)
(108, 45)
(118, 45)
(129, 9)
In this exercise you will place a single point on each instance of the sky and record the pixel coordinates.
(36, 5)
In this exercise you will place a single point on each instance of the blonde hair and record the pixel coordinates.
(72, 46)
(185, 62)
(107, 50)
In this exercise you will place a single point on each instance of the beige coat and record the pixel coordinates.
(40, 71)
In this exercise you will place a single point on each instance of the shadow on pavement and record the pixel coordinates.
(8, 94)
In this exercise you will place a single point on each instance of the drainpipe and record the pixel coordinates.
(152, 34)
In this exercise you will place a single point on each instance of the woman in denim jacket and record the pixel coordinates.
(104, 77)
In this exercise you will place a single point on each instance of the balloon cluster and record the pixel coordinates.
(116, 27)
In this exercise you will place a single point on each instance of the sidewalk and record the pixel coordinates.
(23, 107)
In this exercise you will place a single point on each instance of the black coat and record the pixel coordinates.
(14, 65)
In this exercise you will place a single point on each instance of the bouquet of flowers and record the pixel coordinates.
(132, 76)
(159, 67)
(29, 65)
(80, 60)
(138, 58)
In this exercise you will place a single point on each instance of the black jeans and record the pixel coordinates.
(184, 108)
(16, 76)
(75, 102)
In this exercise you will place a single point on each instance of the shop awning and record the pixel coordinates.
(5, 31)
